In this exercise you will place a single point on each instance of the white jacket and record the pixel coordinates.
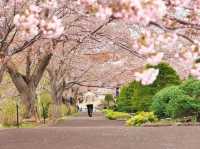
(89, 98)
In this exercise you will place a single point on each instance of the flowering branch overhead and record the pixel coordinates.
(179, 21)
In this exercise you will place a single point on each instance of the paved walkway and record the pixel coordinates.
(98, 120)
(97, 133)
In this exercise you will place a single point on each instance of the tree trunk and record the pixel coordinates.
(2, 70)
(57, 91)
(57, 87)
(56, 96)
(26, 85)
(27, 92)
(28, 99)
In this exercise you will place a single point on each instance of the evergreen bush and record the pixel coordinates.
(191, 88)
(137, 97)
(173, 102)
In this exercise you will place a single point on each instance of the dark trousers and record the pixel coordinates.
(90, 109)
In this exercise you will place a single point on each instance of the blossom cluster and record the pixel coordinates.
(37, 18)
(147, 45)
(187, 10)
(190, 57)
(135, 10)
(148, 76)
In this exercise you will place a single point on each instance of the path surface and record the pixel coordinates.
(98, 120)
(97, 133)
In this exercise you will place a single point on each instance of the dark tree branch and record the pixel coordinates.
(169, 30)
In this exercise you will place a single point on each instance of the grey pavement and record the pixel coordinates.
(82, 132)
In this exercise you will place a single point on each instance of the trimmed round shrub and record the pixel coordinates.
(162, 98)
(182, 106)
(191, 88)
(141, 118)
(174, 103)
(137, 97)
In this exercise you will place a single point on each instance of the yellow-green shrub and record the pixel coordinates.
(105, 111)
(112, 115)
(8, 112)
(141, 118)
(64, 110)
(43, 104)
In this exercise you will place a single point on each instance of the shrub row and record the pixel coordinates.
(112, 115)
(45, 108)
(137, 120)
(141, 118)
(177, 101)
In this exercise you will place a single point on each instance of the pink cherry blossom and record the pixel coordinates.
(103, 13)
(32, 22)
(147, 50)
(138, 11)
(148, 76)
(155, 59)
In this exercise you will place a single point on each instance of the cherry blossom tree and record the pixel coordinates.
(32, 27)
(69, 67)
(22, 23)
(36, 28)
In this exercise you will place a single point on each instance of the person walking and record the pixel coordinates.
(89, 100)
